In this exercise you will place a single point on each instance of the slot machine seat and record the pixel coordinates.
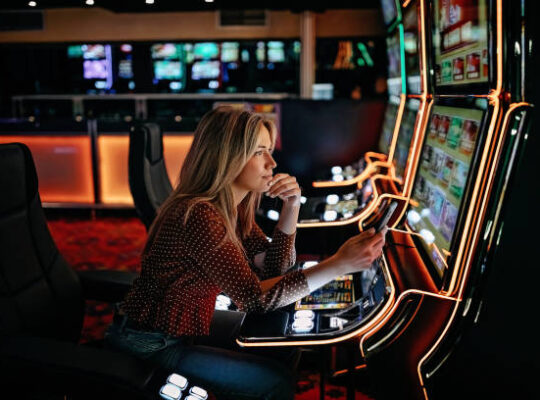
(42, 305)
(148, 179)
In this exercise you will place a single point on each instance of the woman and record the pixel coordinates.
(205, 241)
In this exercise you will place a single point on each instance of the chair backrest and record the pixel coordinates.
(148, 179)
(40, 295)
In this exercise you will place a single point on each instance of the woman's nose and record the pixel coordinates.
(271, 162)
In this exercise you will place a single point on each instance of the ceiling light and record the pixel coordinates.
(89, 2)
(208, 1)
(32, 3)
(149, 1)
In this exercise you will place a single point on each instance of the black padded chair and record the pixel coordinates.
(148, 179)
(42, 305)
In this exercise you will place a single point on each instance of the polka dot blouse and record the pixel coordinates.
(187, 266)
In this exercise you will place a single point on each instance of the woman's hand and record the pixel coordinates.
(286, 188)
(359, 252)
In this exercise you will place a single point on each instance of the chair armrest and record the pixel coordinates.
(106, 285)
(43, 365)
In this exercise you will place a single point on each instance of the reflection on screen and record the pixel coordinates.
(460, 41)
(442, 176)
(388, 127)
(405, 136)
(393, 49)
(411, 45)
(389, 11)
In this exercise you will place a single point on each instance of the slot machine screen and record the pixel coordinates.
(165, 51)
(205, 51)
(411, 44)
(405, 135)
(205, 70)
(389, 11)
(95, 69)
(460, 41)
(393, 49)
(167, 69)
(276, 51)
(442, 177)
(387, 132)
(337, 294)
(230, 52)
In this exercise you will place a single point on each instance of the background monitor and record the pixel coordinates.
(95, 69)
(230, 52)
(164, 51)
(205, 50)
(205, 70)
(389, 11)
(93, 51)
(276, 51)
(460, 41)
(442, 178)
(167, 70)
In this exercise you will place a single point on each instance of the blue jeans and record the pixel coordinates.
(227, 373)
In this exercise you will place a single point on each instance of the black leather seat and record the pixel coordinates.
(148, 179)
(42, 305)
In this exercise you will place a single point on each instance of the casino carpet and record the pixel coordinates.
(115, 243)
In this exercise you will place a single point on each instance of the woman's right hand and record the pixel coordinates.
(359, 252)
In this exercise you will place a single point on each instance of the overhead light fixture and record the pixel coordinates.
(89, 2)
(149, 1)
(32, 3)
(208, 1)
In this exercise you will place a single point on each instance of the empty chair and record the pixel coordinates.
(42, 305)
(148, 179)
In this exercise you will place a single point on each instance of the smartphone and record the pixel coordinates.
(381, 223)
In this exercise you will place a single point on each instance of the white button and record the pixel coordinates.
(170, 392)
(178, 380)
(198, 391)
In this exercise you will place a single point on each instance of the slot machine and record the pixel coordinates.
(441, 254)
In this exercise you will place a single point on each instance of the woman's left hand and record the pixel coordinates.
(286, 188)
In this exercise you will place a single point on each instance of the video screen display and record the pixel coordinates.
(411, 44)
(167, 70)
(95, 69)
(93, 51)
(230, 51)
(334, 295)
(393, 51)
(389, 11)
(276, 51)
(405, 135)
(460, 40)
(442, 177)
(165, 51)
(205, 51)
(205, 70)
(387, 132)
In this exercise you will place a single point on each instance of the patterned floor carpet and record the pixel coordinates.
(115, 243)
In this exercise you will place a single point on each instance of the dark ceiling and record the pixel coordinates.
(193, 5)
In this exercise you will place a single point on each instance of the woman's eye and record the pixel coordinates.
(258, 153)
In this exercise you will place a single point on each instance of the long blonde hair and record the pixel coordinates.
(224, 141)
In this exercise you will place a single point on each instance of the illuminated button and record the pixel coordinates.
(332, 199)
(413, 217)
(337, 178)
(224, 299)
(303, 325)
(349, 196)
(330, 215)
(304, 314)
(336, 170)
(336, 322)
(427, 235)
(303, 199)
(198, 391)
(178, 380)
(273, 215)
(170, 392)
(425, 212)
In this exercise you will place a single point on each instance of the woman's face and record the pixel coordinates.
(256, 174)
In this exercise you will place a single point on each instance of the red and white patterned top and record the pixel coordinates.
(185, 269)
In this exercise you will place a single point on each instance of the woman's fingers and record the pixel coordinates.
(281, 185)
